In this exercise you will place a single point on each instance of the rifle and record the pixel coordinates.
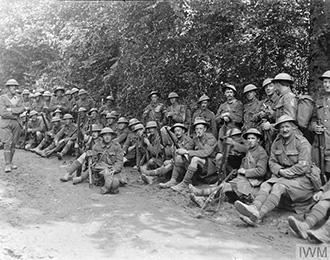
(320, 139)
(27, 115)
(185, 156)
(44, 121)
(224, 160)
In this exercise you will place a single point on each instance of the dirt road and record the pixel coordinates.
(41, 218)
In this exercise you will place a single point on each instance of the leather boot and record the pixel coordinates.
(80, 179)
(173, 181)
(64, 151)
(182, 186)
(321, 235)
(298, 228)
(107, 185)
(7, 156)
(70, 170)
(39, 147)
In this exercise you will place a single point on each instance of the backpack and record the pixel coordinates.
(305, 107)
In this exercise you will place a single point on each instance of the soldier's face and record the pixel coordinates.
(151, 131)
(140, 132)
(204, 104)
(12, 89)
(95, 135)
(107, 138)
(67, 121)
(286, 129)
(200, 130)
(252, 141)
(326, 85)
(109, 102)
(47, 98)
(34, 118)
(154, 98)
(110, 121)
(57, 123)
(229, 94)
(83, 96)
(59, 93)
(94, 114)
(121, 126)
(250, 95)
(172, 100)
(270, 89)
(26, 96)
(178, 131)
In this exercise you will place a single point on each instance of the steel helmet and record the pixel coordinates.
(92, 110)
(200, 120)
(133, 122)
(82, 109)
(122, 120)
(82, 92)
(173, 95)
(154, 92)
(40, 89)
(37, 94)
(248, 88)
(47, 94)
(179, 125)
(58, 88)
(110, 115)
(233, 131)
(74, 90)
(12, 82)
(107, 130)
(151, 124)
(138, 126)
(325, 75)
(253, 131)
(26, 92)
(203, 98)
(110, 98)
(56, 119)
(67, 116)
(33, 113)
(68, 92)
(96, 128)
(283, 119)
(266, 82)
(229, 86)
(283, 77)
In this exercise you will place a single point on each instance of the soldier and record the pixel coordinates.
(109, 106)
(49, 136)
(286, 104)
(183, 141)
(129, 146)
(176, 113)
(69, 132)
(122, 130)
(290, 162)
(142, 155)
(84, 100)
(251, 107)
(318, 213)
(68, 95)
(94, 117)
(59, 101)
(230, 113)
(103, 118)
(38, 104)
(47, 104)
(320, 124)
(26, 99)
(250, 174)
(10, 108)
(111, 121)
(154, 147)
(107, 162)
(77, 164)
(266, 116)
(155, 111)
(57, 113)
(208, 115)
(201, 157)
(35, 130)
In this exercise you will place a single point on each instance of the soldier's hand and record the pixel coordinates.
(226, 118)
(318, 196)
(319, 129)
(181, 151)
(146, 141)
(266, 126)
(241, 171)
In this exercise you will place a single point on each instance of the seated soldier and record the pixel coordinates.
(111, 121)
(129, 146)
(183, 141)
(250, 174)
(122, 130)
(49, 136)
(154, 148)
(35, 130)
(94, 116)
(76, 165)
(107, 162)
(201, 158)
(290, 162)
(57, 113)
(64, 139)
(317, 214)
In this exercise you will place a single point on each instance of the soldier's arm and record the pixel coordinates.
(290, 106)
(207, 150)
(239, 147)
(19, 108)
(5, 113)
(304, 159)
(260, 168)
(237, 114)
(189, 144)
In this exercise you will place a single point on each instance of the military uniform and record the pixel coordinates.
(59, 102)
(286, 105)
(209, 117)
(87, 103)
(130, 141)
(122, 136)
(154, 112)
(38, 105)
(234, 108)
(250, 110)
(181, 114)
(35, 132)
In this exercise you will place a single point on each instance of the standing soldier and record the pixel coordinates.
(176, 113)
(59, 101)
(84, 100)
(286, 104)
(10, 108)
(201, 157)
(208, 115)
(230, 113)
(266, 116)
(251, 107)
(290, 163)
(155, 111)
(321, 127)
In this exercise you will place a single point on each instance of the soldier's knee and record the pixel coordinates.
(265, 187)
(178, 159)
(278, 189)
(218, 156)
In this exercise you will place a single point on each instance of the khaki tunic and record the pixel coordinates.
(286, 105)
(154, 112)
(87, 103)
(294, 156)
(181, 115)
(122, 135)
(61, 103)
(250, 110)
